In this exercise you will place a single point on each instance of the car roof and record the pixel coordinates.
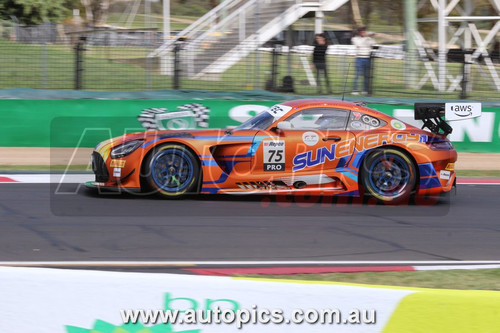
(301, 103)
(334, 103)
(359, 106)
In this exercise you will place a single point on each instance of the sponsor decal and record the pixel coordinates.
(345, 148)
(396, 124)
(450, 166)
(178, 123)
(117, 172)
(274, 155)
(377, 139)
(278, 110)
(321, 155)
(445, 174)
(117, 163)
(459, 111)
(310, 138)
(188, 116)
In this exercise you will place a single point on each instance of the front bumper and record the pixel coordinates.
(92, 185)
(119, 172)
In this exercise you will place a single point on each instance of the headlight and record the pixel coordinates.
(125, 148)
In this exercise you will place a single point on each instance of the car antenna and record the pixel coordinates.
(345, 81)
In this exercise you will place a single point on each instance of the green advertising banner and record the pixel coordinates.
(84, 123)
(60, 123)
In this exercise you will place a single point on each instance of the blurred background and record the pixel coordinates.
(428, 49)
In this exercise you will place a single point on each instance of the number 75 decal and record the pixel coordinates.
(274, 155)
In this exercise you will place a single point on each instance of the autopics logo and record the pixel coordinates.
(188, 116)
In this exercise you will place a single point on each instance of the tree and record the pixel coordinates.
(356, 13)
(96, 11)
(31, 12)
(213, 3)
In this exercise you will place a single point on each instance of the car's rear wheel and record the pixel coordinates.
(389, 175)
(171, 170)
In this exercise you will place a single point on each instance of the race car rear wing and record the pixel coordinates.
(432, 114)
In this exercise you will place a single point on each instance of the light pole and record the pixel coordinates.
(442, 24)
(411, 67)
(166, 20)
(165, 66)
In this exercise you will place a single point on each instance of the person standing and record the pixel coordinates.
(364, 44)
(319, 61)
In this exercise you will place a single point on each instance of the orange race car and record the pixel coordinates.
(314, 146)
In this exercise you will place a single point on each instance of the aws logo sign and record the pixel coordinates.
(461, 111)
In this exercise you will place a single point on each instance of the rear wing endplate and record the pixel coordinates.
(432, 114)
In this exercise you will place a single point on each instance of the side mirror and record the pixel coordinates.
(284, 125)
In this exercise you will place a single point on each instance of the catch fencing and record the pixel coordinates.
(55, 57)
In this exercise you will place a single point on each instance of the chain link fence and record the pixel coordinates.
(51, 57)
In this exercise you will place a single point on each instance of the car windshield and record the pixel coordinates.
(261, 121)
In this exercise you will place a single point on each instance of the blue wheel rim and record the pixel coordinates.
(389, 175)
(172, 170)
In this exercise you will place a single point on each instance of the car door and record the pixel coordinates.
(313, 141)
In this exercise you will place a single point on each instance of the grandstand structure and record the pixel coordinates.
(235, 28)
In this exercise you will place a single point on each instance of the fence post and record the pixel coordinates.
(274, 67)
(466, 73)
(177, 63)
(371, 70)
(79, 48)
(271, 83)
(44, 65)
(147, 72)
(258, 56)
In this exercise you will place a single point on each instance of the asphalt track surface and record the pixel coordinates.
(38, 225)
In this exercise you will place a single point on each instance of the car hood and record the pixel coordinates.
(212, 134)
(148, 135)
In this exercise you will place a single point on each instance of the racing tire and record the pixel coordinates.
(389, 176)
(171, 170)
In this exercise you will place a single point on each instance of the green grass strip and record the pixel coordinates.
(479, 279)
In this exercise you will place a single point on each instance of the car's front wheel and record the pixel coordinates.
(171, 170)
(388, 175)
